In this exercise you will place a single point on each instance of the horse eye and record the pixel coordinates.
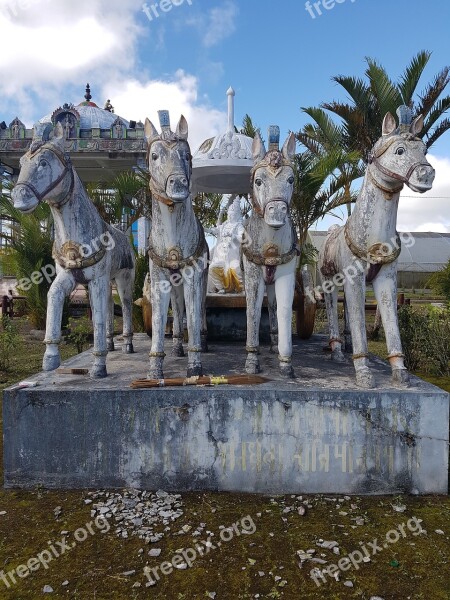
(258, 182)
(154, 156)
(43, 163)
(400, 151)
(291, 180)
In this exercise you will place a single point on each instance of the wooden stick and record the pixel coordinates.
(180, 381)
(67, 371)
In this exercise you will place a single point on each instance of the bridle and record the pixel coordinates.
(374, 160)
(157, 194)
(64, 159)
(264, 164)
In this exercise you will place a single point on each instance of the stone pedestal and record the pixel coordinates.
(318, 433)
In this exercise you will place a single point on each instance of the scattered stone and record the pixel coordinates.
(439, 531)
(282, 583)
(301, 511)
(261, 573)
(212, 595)
(47, 589)
(150, 583)
(154, 552)
(348, 583)
(359, 521)
(399, 507)
(64, 532)
(328, 545)
(57, 511)
(65, 583)
(252, 561)
(129, 573)
(181, 566)
(2, 512)
(88, 501)
(136, 585)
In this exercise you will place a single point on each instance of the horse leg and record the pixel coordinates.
(125, 284)
(204, 333)
(160, 305)
(193, 292)
(331, 304)
(348, 344)
(99, 289)
(62, 286)
(110, 322)
(254, 283)
(284, 289)
(354, 288)
(273, 323)
(385, 288)
(177, 302)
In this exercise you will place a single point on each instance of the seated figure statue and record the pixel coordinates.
(225, 274)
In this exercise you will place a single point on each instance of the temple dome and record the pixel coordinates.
(90, 115)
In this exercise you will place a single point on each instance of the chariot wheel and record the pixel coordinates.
(306, 304)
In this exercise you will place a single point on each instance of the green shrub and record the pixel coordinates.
(440, 282)
(425, 334)
(80, 332)
(9, 342)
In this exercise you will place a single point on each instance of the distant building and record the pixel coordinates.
(429, 254)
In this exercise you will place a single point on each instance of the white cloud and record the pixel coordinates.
(137, 100)
(65, 44)
(429, 211)
(217, 24)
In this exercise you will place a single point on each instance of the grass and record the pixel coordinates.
(94, 568)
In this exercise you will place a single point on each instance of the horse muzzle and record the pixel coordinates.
(24, 198)
(275, 213)
(421, 179)
(177, 187)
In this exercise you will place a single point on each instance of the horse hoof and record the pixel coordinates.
(194, 371)
(110, 345)
(400, 377)
(51, 362)
(252, 368)
(155, 374)
(178, 351)
(98, 372)
(337, 355)
(128, 349)
(365, 379)
(287, 371)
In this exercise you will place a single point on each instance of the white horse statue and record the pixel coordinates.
(270, 254)
(178, 250)
(86, 249)
(367, 247)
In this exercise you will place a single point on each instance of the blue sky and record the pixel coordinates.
(276, 56)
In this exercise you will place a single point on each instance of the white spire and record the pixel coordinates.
(231, 94)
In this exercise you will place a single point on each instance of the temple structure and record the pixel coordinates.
(101, 143)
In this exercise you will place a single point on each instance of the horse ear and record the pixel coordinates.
(417, 125)
(289, 147)
(389, 124)
(258, 148)
(150, 131)
(57, 135)
(182, 129)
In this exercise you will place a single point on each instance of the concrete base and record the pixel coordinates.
(318, 433)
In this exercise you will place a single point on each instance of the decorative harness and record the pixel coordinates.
(175, 260)
(376, 254)
(271, 256)
(69, 255)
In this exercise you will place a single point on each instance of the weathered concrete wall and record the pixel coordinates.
(316, 434)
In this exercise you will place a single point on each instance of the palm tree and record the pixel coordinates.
(373, 97)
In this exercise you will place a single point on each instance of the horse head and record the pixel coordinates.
(399, 155)
(273, 178)
(45, 171)
(169, 160)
